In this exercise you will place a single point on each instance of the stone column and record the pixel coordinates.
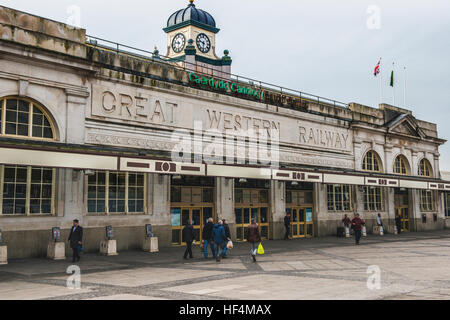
(324, 226)
(224, 200)
(159, 196)
(75, 115)
(437, 171)
(278, 209)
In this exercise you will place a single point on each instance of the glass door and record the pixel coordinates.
(243, 220)
(302, 222)
(180, 218)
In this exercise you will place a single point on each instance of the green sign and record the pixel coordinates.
(227, 86)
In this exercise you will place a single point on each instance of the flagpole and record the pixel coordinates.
(381, 80)
(404, 92)
(393, 83)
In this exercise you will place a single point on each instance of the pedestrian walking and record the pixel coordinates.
(347, 225)
(228, 235)
(254, 238)
(188, 237)
(287, 225)
(208, 238)
(398, 223)
(357, 224)
(220, 240)
(76, 240)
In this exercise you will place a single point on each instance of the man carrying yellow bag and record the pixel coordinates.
(254, 238)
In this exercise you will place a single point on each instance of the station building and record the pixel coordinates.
(115, 136)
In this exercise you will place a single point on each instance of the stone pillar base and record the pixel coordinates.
(3, 255)
(56, 251)
(108, 248)
(151, 245)
(377, 231)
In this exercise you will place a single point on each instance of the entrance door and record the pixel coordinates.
(302, 222)
(403, 212)
(402, 208)
(243, 220)
(181, 216)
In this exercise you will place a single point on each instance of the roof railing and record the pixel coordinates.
(186, 66)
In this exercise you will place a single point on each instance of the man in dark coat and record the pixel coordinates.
(357, 224)
(287, 225)
(254, 238)
(76, 240)
(398, 223)
(228, 235)
(208, 238)
(188, 237)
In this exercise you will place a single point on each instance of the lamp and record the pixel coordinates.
(177, 177)
(242, 180)
(295, 183)
(89, 172)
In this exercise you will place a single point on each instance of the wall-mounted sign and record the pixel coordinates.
(227, 86)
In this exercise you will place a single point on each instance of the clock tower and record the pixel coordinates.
(191, 40)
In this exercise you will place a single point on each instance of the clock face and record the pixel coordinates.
(178, 43)
(203, 43)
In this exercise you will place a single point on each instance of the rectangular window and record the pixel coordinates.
(373, 199)
(339, 198)
(27, 190)
(426, 200)
(116, 193)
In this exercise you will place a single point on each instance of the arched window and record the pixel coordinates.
(401, 165)
(425, 169)
(372, 162)
(25, 118)
(373, 196)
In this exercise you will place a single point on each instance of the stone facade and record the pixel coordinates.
(111, 104)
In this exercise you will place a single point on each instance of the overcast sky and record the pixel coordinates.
(324, 47)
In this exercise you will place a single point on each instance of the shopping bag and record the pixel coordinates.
(364, 231)
(80, 248)
(261, 249)
(381, 231)
(347, 232)
(230, 245)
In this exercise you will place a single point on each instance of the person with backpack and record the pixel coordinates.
(254, 238)
(220, 240)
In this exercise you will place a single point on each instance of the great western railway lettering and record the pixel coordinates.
(135, 107)
(226, 122)
(324, 138)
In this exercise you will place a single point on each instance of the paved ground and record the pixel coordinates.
(413, 266)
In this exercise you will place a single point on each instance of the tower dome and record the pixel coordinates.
(191, 16)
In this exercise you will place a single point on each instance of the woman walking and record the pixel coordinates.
(254, 238)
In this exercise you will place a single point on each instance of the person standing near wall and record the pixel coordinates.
(254, 238)
(398, 223)
(287, 225)
(357, 224)
(76, 240)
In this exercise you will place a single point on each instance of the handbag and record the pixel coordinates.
(261, 249)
